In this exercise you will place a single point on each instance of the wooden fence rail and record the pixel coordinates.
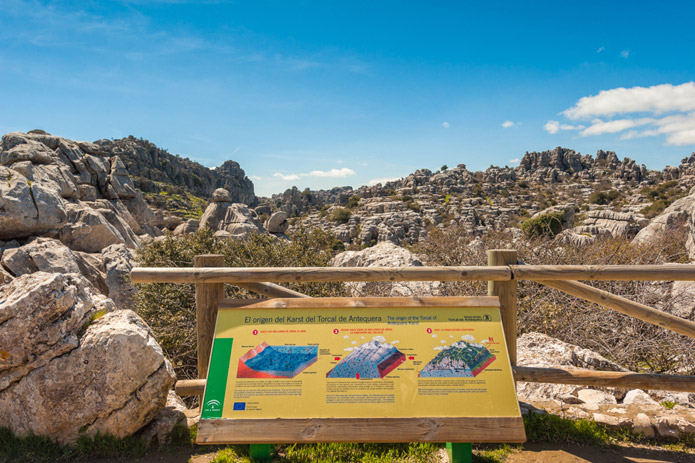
(502, 273)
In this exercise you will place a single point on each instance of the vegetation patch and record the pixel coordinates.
(169, 309)
(546, 225)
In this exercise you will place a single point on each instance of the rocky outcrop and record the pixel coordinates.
(637, 410)
(153, 168)
(28, 208)
(61, 374)
(678, 213)
(385, 254)
(51, 256)
(227, 219)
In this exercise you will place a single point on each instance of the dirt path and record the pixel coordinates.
(548, 452)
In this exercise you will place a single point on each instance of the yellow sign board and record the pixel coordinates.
(359, 362)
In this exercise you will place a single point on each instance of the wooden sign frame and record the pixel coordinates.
(415, 429)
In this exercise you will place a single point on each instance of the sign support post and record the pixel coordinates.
(261, 452)
(459, 452)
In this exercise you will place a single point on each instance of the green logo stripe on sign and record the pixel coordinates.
(216, 384)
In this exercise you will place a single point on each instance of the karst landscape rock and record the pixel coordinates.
(75, 357)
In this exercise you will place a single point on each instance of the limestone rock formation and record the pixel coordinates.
(385, 254)
(27, 208)
(229, 219)
(61, 375)
(152, 167)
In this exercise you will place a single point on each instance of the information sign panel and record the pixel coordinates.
(346, 363)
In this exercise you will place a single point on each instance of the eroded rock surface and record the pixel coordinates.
(61, 375)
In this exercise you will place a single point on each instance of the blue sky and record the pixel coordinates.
(321, 94)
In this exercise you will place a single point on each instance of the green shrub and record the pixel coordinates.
(603, 197)
(340, 215)
(546, 225)
(353, 202)
(169, 309)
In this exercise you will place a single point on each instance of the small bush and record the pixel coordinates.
(546, 225)
(340, 215)
(353, 202)
(603, 197)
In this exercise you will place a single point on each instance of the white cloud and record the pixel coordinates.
(507, 124)
(382, 180)
(333, 173)
(288, 177)
(446, 125)
(379, 338)
(599, 127)
(349, 349)
(610, 111)
(514, 161)
(657, 99)
(552, 126)
(468, 337)
(256, 177)
(600, 49)
(625, 53)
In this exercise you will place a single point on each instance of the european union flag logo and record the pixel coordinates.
(239, 405)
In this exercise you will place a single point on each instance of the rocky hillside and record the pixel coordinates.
(600, 194)
(173, 183)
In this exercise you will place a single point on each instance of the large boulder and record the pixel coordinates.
(51, 256)
(234, 220)
(27, 208)
(61, 376)
(88, 230)
(540, 350)
(385, 254)
(673, 216)
(277, 223)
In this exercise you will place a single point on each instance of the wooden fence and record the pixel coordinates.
(502, 274)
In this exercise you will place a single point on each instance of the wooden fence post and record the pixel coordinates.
(207, 296)
(506, 291)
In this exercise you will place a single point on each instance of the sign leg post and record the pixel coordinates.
(459, 452)
(260, 452)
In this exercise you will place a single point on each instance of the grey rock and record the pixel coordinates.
(117, 261)
(277, 223)
(114, 380)
(27, 209)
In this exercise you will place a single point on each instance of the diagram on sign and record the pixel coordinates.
(373, 359)
(264, 361)
(460, 359)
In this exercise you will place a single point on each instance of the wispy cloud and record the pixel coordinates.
(508, 124)
(514, 161)
(333, 173)
(622, 110)
(446, 125)
(625, 53)
(287, 177)
(600, 49)
(556, 126)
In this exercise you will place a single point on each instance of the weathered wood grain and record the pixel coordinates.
(316, 274)
(507, 293)
(207, 296)
(620, 379)
(665, 272)
(350, 302)
(276, 431)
